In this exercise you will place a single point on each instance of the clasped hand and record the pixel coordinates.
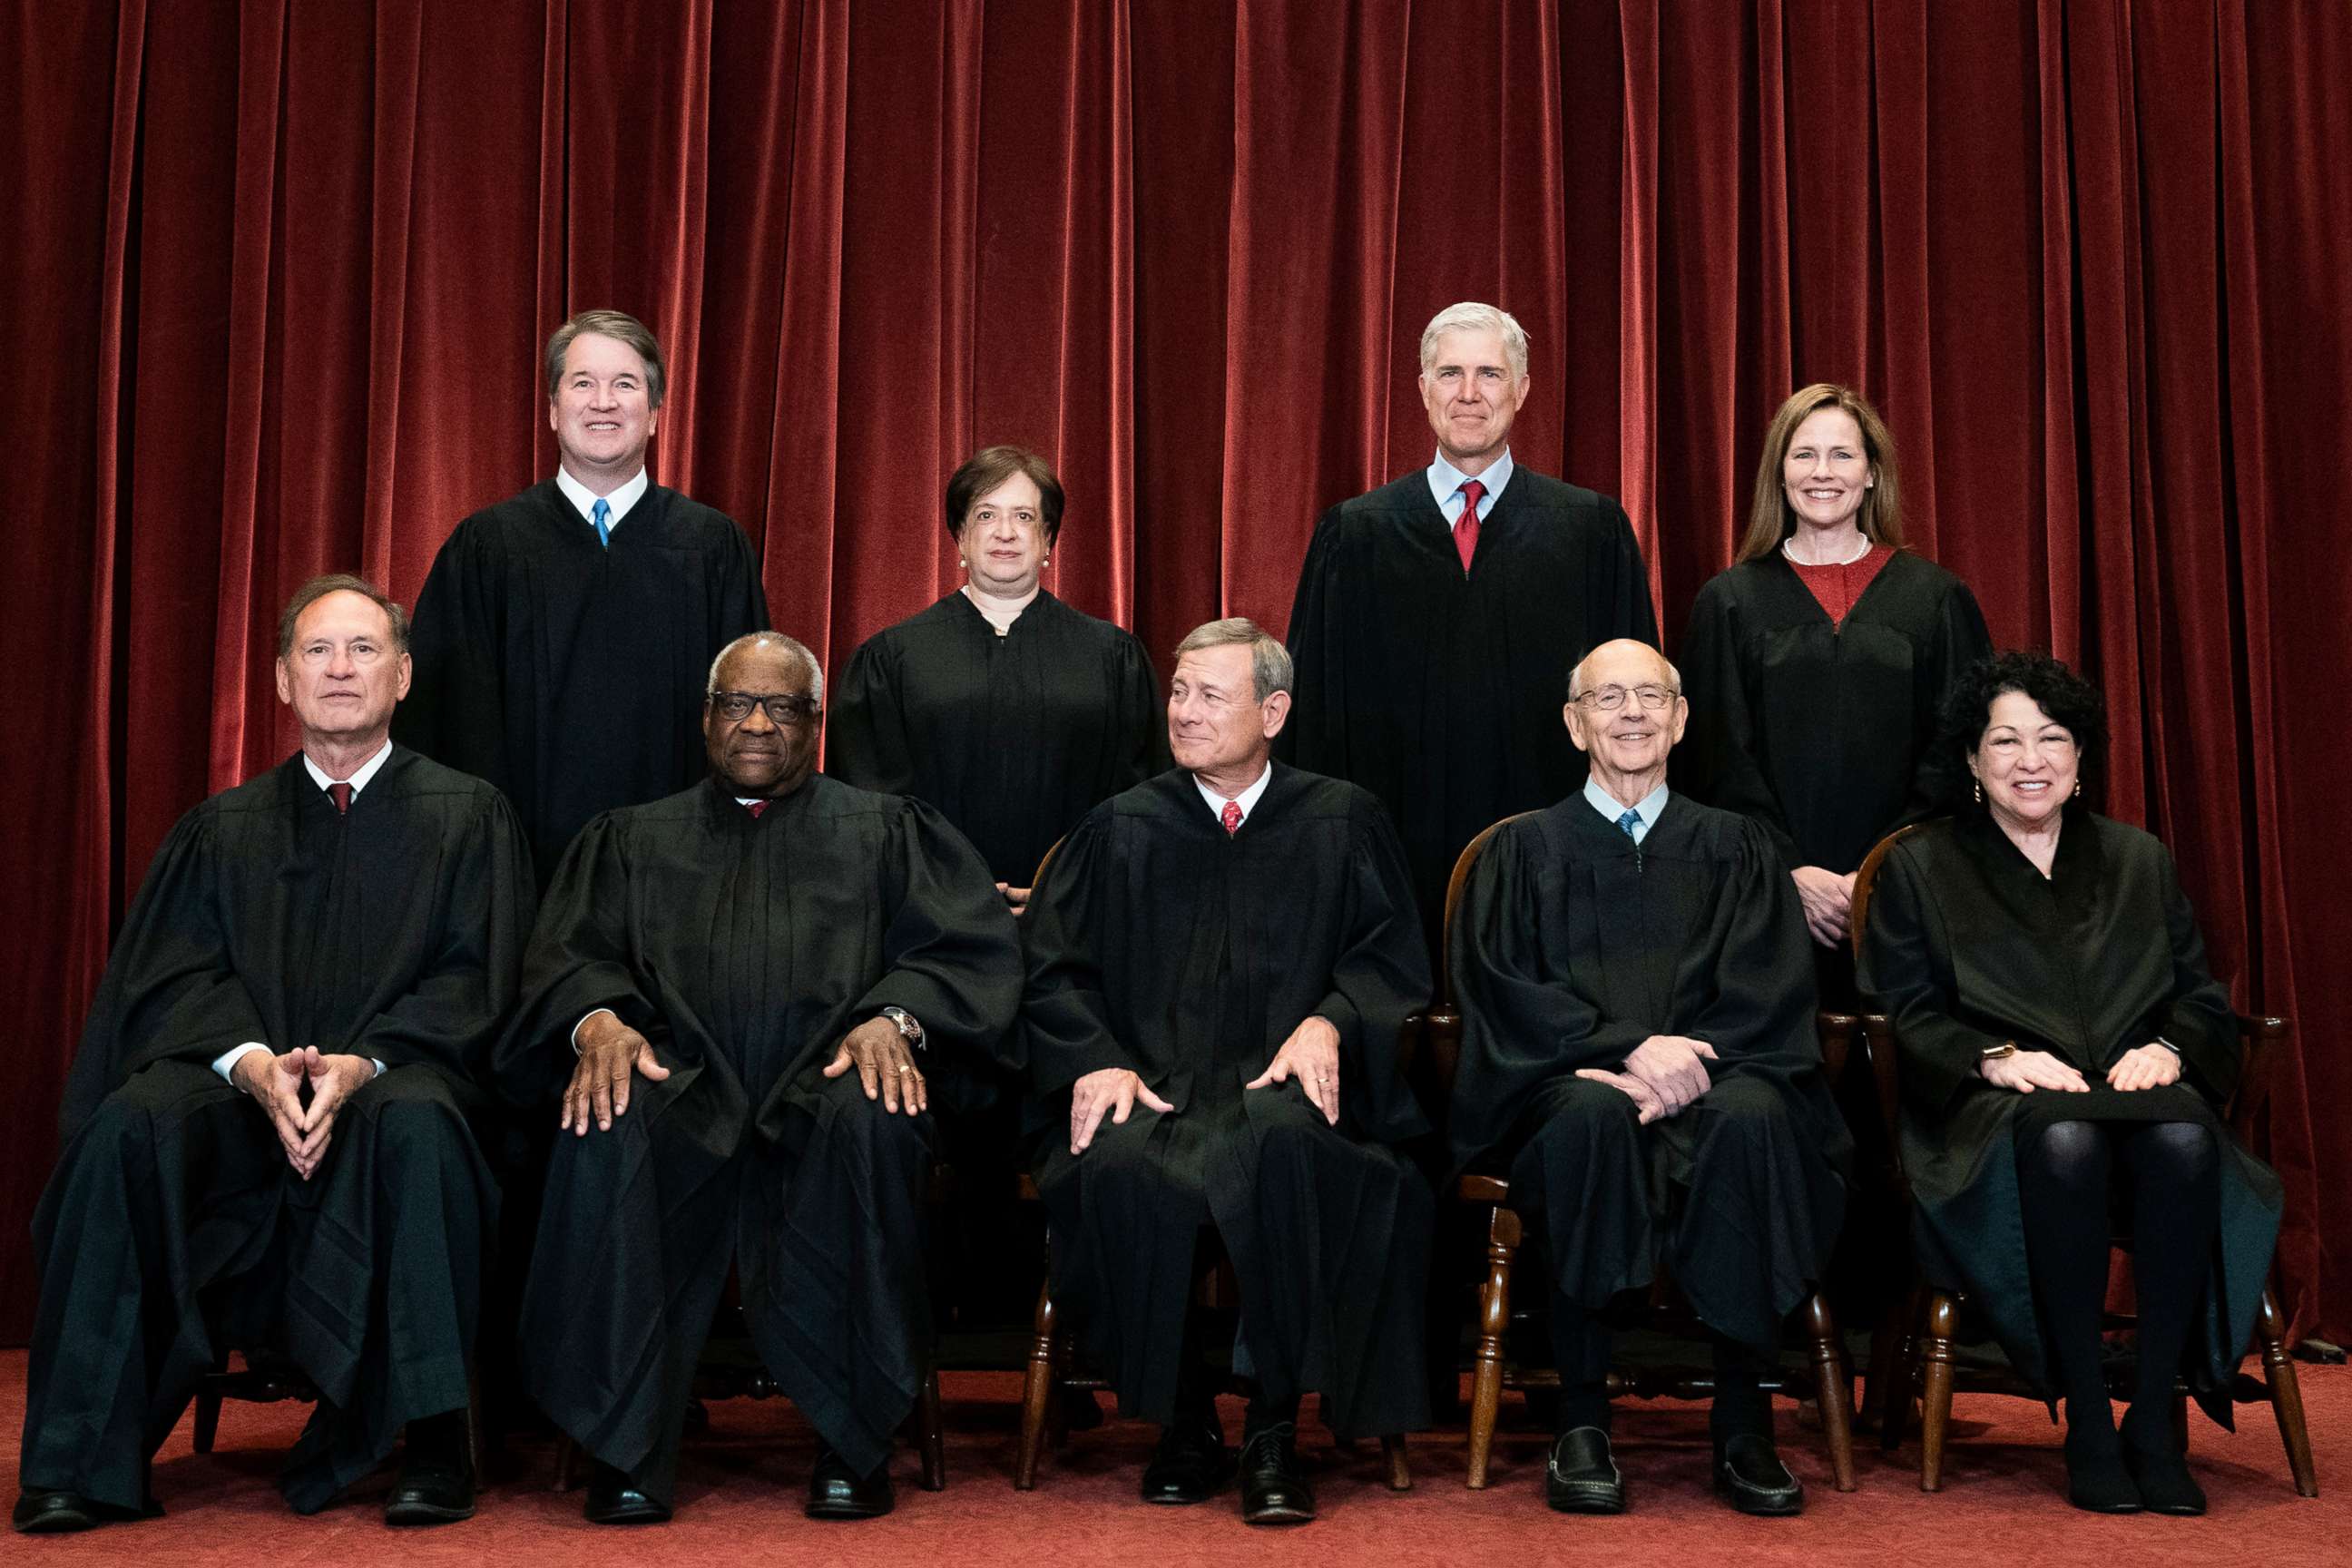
(1662, 1076)
(1828, 900)
(276, 1082)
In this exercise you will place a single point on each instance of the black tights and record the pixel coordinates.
(2175, 1194)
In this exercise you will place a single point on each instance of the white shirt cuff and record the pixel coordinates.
(225, 1063)
(583, 1019)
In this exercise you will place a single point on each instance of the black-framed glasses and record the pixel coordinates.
(1608, 699)
(786, 708)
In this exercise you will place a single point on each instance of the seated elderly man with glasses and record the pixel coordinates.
(1639, 1055)
(736, 1003)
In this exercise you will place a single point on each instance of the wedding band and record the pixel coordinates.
(903, 1070)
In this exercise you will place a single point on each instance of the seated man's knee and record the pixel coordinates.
(1579, 1111)
(1746, 1100)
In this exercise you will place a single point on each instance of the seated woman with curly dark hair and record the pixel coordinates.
(2064, 1055)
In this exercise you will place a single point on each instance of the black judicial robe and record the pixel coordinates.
(1013, 738)
(1441, 691)
(568, 674)
(1158, 942)
(1968, 945)
(1825, 734)
(745, 949)
(1572, 946)
(174, 1230)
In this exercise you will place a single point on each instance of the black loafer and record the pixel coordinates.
(431, 1492)
(57, 1513)
(1190, 1464)
(612, 1499)
(2163, 1481)
(1581, 1476)
(1273, 1483)
(1748, 1474)
(835, 1491)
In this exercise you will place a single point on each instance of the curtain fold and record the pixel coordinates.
(282, 273)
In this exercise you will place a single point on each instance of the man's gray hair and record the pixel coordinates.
(771, 639)
(1472, 317)
(621, 328)
(1270, 666)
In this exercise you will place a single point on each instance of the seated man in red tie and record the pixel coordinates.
(744, 996)
(267, 1128)
(1220, 963)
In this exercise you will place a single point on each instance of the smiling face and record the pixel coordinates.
(1004, 539)
(1472, 396)
(601, 413)
(344, 674)
(754, 756)
(2026, 763)
(1826, 473)
(1216, 725)
(1628, 744)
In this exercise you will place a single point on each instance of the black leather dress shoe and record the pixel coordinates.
(1750, 1475)
(1190, 1463)
(2162, 1479)
(1583, 1476)
(57, 1513)
(612, 1499)
(835, 1491)
(431, 1490)
(1273, 1483)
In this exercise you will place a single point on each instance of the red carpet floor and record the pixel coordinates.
(740, 1487)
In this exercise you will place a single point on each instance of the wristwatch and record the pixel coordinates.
(907, 1026)
(2006, 1048)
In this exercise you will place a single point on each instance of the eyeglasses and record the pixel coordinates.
(1610, 699)
(786, 709)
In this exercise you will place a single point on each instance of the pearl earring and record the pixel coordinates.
(1978, 787)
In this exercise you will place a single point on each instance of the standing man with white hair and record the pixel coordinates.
(1437, 615)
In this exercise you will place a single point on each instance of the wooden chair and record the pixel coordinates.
(1052, 1364)
(1493, 1371)
(1925, 1363)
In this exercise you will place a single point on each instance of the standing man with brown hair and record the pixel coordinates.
(563, 634)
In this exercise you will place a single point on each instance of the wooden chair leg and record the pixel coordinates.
(1831, 1388)
(1935, 1388)
(1494, 1323)
(1037, 1397)
(930, 1441)
(1399, 1467)
(208, 1421)
(567, 1462)
(2286, 1398)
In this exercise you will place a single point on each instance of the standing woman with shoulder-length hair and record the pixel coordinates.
(1817, 662)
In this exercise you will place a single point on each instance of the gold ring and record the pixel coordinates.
(903, 1070)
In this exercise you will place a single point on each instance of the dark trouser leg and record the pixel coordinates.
(384, 1278)
(2174, 1167)
(171, 1185)
(634, 1242)
(1579, 1351)
(1741, 1406)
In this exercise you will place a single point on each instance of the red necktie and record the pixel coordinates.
(341, 792)
(1465, 530)
(1231, 817)
(755, 807)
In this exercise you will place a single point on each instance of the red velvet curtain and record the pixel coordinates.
(280, 275)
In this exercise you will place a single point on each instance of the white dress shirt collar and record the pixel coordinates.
(1246, 800)
(1445, 483)
(1610, 807)
(584, 500)
(360, 775)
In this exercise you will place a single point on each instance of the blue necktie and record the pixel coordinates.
(1630, 821)
(604, 510)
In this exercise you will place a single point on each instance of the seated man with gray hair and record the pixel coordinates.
(1638, 1052)
(738, 995)
(1220, 964)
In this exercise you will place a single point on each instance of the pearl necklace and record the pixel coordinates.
(1866, 547)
